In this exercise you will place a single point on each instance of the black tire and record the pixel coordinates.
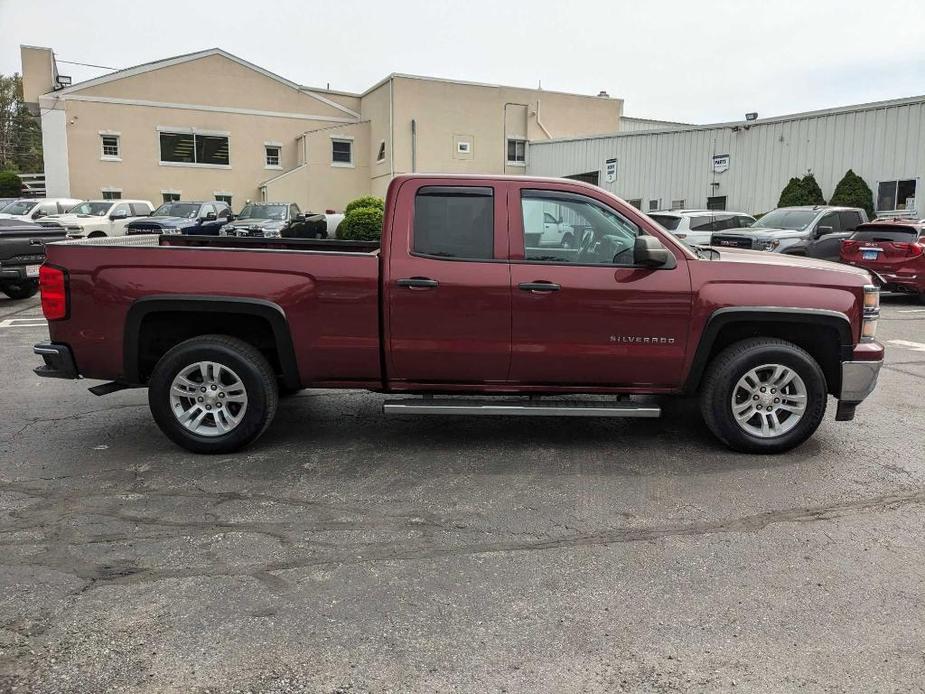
(20, 290)
(96, 235)
(244, 360)
(730, 365)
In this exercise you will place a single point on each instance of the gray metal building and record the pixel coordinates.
(743, 166)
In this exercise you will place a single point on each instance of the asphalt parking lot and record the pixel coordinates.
(350, 552)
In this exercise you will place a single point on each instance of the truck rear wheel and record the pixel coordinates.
(20, 290)
(213, 394)
(763, 395)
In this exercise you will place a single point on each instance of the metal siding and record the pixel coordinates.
(881, 142)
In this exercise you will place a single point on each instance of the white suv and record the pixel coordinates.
(697, 226)
(31, 209)
(96, 218)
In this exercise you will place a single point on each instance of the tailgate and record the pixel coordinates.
(885, 248)
(19, 246)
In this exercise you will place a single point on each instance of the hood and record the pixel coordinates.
(78, 219)
(245, 223)
(741, 255)
(762, 233)
(163, 222)
(24, 217)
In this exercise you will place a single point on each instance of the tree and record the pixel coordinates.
(371, 201)
(853, 191)
(20, 133)
(10, 185)
(361, 224)
(801, 191)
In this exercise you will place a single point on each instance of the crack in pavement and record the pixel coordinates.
(111, 573)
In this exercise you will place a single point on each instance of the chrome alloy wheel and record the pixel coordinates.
(769, 400)
(208, 398)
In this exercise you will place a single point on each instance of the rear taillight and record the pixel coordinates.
(848, 247)
(910, 250)
(53, 283)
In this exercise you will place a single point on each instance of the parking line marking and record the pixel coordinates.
(914, 346)
(23, 323)
(911, 310)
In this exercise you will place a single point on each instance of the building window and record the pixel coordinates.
(342, 152)
(653, 205)
(716, 202)
(463, 147)
(192, 148)
(637, 203)
(112, 194)
(381, 155)
(110, 145)
(516, 151)
(223, 197)
(272, 156)
(170, 196)
(677, 204)
(893, 195)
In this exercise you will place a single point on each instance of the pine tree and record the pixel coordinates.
(853, 191)
(792, 194)
(812, 191)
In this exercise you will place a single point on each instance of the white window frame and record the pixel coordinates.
(896, 200)
(278, 146)
(109, 189)
(111, 157)
(218, 194)
(171, 191)
(678, 204)
(507, 146)
(343, 164)
(463, 147)
(192, 131)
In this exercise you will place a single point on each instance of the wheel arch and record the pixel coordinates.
(830, 329)
(204, 310)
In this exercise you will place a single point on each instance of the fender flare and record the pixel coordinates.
(273, 313)
(724, 317)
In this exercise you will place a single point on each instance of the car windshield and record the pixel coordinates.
(19, 207)
(177, 209)
(786, 218)
(97, 209)
(670, 222)
(885, 232)
(264, 212)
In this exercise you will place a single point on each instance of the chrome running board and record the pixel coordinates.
(531, 408)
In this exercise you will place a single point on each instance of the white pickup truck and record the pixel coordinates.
(96, 218)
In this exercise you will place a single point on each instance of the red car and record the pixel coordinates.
(892, 251)
(463, 298)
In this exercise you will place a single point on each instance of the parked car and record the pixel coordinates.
(22, 251)
(98, 218)
(274, 220)
(697, 226)
(31, 209)
(815, 232)
(454, 301)
(6, 201)
(193, 218)
(892, 251)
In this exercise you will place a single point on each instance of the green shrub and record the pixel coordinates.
(361, 224)
(801, 191)
(370, 201)
(853, 191)
(10, 185)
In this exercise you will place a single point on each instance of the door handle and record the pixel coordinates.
(417, 283)
(35, 242)
(538, 287)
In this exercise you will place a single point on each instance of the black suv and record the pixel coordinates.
(275, 220)
(177, 217)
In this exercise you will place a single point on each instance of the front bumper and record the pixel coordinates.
(59, 361)
(858, 379)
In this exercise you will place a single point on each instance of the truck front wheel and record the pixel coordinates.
(763, 395)
(213, 394)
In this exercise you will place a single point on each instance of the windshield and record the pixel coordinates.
(97, 209)
(177, 209)
(278, 212)
(19, 207)
(670, 222)
(786, 218)
(885, 232)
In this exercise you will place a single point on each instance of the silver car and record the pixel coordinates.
(697, 226)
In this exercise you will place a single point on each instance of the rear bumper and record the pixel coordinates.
(15, 273)
(59, 361)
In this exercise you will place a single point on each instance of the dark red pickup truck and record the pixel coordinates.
(484, 286)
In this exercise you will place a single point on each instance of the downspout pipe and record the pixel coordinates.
(540, 122)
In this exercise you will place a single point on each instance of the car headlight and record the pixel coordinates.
(871, 314)
(171, 230)
(771, 245)
(272, 234)
(226, 228)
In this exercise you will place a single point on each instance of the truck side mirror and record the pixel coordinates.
(118, 215)
(822, 231)
(300, 217)
(210, 217)
(648, 251)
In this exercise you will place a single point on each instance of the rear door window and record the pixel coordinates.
(454, 222)
(668, 221)
(702, 223)
(849, 220)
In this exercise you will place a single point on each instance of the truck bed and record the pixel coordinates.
(327, 290)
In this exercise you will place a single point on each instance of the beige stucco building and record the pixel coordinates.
(211, 125)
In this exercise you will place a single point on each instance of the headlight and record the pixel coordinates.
(171, 230)
(871, 313)
(74, 228)
(227, 227)
(771, 245)
(272, 234)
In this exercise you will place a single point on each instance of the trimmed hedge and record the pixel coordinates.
(370, 201)
(801, 191)
(10, 185)
(361, 224)
(853, 191)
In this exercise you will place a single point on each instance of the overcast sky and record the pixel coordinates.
(704, 61)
